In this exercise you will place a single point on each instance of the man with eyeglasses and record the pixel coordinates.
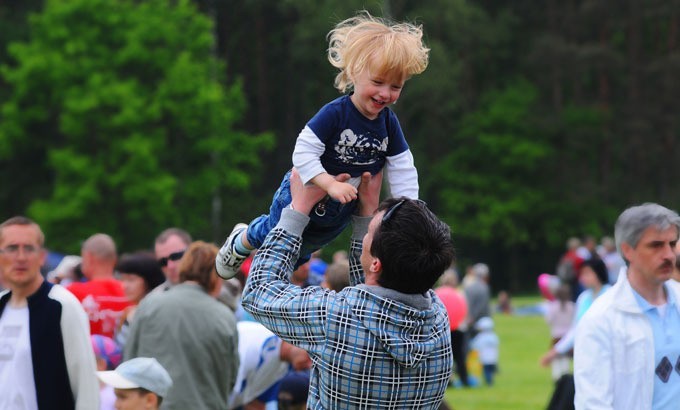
(382, 342)
(46, 358)
(169, 248)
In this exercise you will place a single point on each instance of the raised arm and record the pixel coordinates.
(369, 199)
(294, 314)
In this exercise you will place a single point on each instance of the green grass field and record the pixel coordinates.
(521, 383)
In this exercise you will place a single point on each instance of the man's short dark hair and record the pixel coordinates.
(413, 245)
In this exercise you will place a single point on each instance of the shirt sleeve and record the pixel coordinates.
(593, 378)
(307, 154)
(296, 315)
(80, 361)
(402, 176)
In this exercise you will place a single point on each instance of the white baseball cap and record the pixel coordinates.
(140, 372)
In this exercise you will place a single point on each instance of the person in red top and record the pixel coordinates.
(102, 295)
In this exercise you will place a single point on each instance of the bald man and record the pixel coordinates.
(102, 295)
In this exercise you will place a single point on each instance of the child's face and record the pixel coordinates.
(133, 399)
(373, 92)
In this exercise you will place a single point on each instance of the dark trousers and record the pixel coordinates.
(489, 371)
(459, 348)
(563, 395)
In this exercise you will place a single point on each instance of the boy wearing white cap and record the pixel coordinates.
(486, 344)
(139, 383)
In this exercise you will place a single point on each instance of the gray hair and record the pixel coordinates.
(635, 220)
(481, 270)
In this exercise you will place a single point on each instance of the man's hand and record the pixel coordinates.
(306, 196)
(369, 193)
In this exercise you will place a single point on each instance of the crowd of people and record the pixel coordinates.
(616, 311)
(262, 322)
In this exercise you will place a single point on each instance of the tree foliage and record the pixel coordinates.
(535, 121)
(127, 106)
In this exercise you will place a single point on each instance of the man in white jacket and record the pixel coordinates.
(46, 357)
(627, 350)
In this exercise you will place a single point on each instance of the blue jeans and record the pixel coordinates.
(320, 231)
(489, 371)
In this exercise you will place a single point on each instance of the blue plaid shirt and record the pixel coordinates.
(371, 347)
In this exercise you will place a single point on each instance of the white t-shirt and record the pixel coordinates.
(486, 344)
(261, 365)
(17, 386)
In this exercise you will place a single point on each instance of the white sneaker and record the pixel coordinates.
(228, 260)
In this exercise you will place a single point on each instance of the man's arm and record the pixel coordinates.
(593, 378)
(294, 314)
(369, 199)
(80, 360)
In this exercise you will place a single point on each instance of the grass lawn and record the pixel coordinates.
(521, 383)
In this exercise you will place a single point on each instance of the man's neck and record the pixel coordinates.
(651, 292)
(101, 274)
(20, 294)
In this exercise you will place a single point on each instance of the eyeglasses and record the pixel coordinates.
(172, 257)
(388, 214)
(14, 250)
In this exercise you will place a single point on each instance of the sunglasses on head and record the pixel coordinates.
(172, 257)
(388, 214)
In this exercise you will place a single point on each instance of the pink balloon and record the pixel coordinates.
(546, 284)
(455, 304)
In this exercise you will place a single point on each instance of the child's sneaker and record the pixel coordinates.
(228, 260)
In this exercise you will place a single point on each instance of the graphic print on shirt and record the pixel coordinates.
(9, 337)
(664, 369)
(360, 149)
(96, 313)
(17, 385)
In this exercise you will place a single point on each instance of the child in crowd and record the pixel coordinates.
(486, 344)
(559, 314)
(353, 134)
(108, 355)
(139, 383)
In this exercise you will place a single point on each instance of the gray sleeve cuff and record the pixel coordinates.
(293, 221)
(360, 226)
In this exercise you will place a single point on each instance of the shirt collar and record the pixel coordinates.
(646, 306)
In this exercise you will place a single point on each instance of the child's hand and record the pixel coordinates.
(342, 192)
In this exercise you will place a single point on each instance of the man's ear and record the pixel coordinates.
(376, 266)
(626, 250)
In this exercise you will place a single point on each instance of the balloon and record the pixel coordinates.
(547, 284)
(455, 304)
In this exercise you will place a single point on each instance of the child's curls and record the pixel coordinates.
(382, 47)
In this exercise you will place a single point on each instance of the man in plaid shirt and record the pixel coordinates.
(382, 342)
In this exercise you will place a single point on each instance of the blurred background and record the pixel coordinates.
(534, 122)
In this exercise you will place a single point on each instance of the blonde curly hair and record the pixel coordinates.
(367, 42)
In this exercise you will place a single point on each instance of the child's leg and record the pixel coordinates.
(231, 256)
(244, 238)
(488, 374)
(324, 229)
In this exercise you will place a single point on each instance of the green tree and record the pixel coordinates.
(492, 186)
(124, 121)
